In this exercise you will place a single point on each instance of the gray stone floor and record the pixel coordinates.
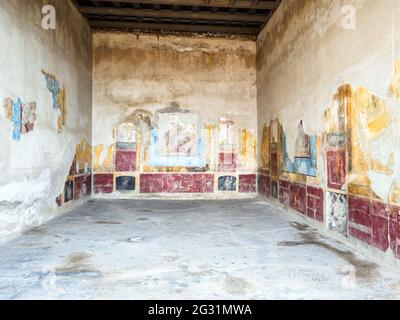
(134, 249)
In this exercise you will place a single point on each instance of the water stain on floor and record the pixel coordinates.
(186, 253)
(35, 231)
(77, 263)
(236, 285)
(365, 271)
(107, 222)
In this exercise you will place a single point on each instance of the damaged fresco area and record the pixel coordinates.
(173, 151)
(59, 98)
(265, 150)
(21, 115)
(24, 115)
(177, 139)
(334, 139)
(363, 129)
(227, 183)
(78, 184)
(269, 148)
(337, 212)
(355, 189)
(248, 150)
(192, 127)
(375, 156)
(305, 158)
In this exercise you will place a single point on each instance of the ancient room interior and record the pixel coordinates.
(199, 149)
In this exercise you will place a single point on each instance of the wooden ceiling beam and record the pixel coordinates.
(144, 26)
(250, 4)
(151, 13)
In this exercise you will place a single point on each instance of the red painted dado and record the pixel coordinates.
(374, 223)
(336, 162)
(176, 183)
(103, 183)
(380, 225)
(151, 183)
(298, 197)
(247, 183)
(360, 223)
(203, 183)
(264, 185)
(78, 188)
(227, 162)
(284, 192)
(125, 161)
(394, 230)
(82, 186)
(315, 203)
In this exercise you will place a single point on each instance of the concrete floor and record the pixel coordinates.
(238, 249)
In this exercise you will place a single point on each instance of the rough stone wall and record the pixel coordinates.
(45, 113)
(329, 116)
(174, 115)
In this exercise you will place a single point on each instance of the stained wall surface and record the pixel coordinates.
(329, 116)
(173, 116)
(45, 113)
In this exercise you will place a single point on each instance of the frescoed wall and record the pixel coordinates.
(174, 116)
(45, 113)
(329, 117)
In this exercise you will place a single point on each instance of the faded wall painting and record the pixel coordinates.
(174, 151)
(227, 141)
(265, 150)
(59, 98)
(78, 183)
(22, 116)
(191, 127)
(247, 150)
(178, 135)
(305, 160)
(302, 143)
(177, 139)
(354, 188)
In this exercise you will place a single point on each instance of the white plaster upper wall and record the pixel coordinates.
(26, 49)
(305, 54)
(35, 168)
(215, 76)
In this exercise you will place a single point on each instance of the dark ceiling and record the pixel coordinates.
(245, 17)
